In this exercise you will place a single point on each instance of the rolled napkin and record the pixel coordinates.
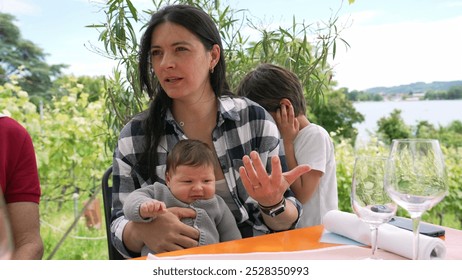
(390, 238)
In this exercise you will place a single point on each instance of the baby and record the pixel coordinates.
(190, 182)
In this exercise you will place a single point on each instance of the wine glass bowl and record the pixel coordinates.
(369, 200)
(416, 178)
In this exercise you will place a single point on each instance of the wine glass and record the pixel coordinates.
(369, 200)
(416, 178)
(6, 243)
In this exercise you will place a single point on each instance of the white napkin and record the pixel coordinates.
(390, 238)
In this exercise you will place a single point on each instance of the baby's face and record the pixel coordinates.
(190, 183)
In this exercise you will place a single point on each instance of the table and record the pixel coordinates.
(307, 239)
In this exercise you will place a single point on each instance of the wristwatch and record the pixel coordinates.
(274, 210)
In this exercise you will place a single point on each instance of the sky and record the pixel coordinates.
(392, 42)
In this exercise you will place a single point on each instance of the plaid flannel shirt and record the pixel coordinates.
(243, 126)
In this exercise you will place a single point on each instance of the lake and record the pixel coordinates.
(436, 112)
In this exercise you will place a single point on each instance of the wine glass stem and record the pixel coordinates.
(374, 233)
(415, 229)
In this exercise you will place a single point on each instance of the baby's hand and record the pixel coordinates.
(152, 208)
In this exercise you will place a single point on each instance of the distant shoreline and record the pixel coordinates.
(436, 112)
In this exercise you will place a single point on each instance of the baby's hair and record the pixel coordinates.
(191, 153)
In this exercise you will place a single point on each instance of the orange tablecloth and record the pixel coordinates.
(296, 240)
(292, 240)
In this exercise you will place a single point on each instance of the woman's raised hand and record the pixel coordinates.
(267, 189)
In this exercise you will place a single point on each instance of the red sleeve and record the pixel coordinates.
(18, 165)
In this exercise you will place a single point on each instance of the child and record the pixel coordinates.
(190, 180)
(279, 91)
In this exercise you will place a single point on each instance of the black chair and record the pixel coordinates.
(107, 201)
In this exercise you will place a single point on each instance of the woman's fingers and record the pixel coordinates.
(260, 169)
(248, 171)
(276, 172)
(171, 234)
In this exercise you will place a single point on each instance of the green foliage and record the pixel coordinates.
(23, 61)
(344, 157)
(93, 86)
(66, 135)
(445, 213)
(355, 96)
(455, 92)
(122, 93)
(291, 48)
(452, 203)
(450, 138)
(450, 135)
(337, 115)
(82, 243)
(393, 127)
(16, 104)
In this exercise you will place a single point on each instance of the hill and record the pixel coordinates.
(415, 87)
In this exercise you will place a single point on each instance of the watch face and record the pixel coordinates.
(277, 211)
(273, 212)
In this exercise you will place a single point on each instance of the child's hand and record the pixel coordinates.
(287, 122)
(152, 208)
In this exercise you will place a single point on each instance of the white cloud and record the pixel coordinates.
(85, 63)
(401, 53)
(18, 7)
(360, 18)
(92, 68)
(453, 4)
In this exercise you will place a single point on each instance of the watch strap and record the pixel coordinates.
(273, 210)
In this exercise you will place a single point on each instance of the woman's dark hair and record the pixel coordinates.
(268, 84)
(200, 24)
(190, 153)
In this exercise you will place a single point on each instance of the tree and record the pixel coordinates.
(66, 136)
(337, 115)
(455, 92)
(24, 60)
(393, 127)
(362, 96)
(65, 85)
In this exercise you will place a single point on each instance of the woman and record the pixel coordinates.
(182, 69)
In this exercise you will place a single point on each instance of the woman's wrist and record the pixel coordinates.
(271, 206)
(131, 237)
(274, 210)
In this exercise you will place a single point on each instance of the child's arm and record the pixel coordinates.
(152, 208)
(288, 125)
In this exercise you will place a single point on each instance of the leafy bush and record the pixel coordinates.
(67, 137)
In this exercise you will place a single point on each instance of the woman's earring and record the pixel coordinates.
(211, 70)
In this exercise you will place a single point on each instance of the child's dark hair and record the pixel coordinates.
(191, 153)
(269, 83)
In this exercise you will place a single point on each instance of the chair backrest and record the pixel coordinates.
(107, 201)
